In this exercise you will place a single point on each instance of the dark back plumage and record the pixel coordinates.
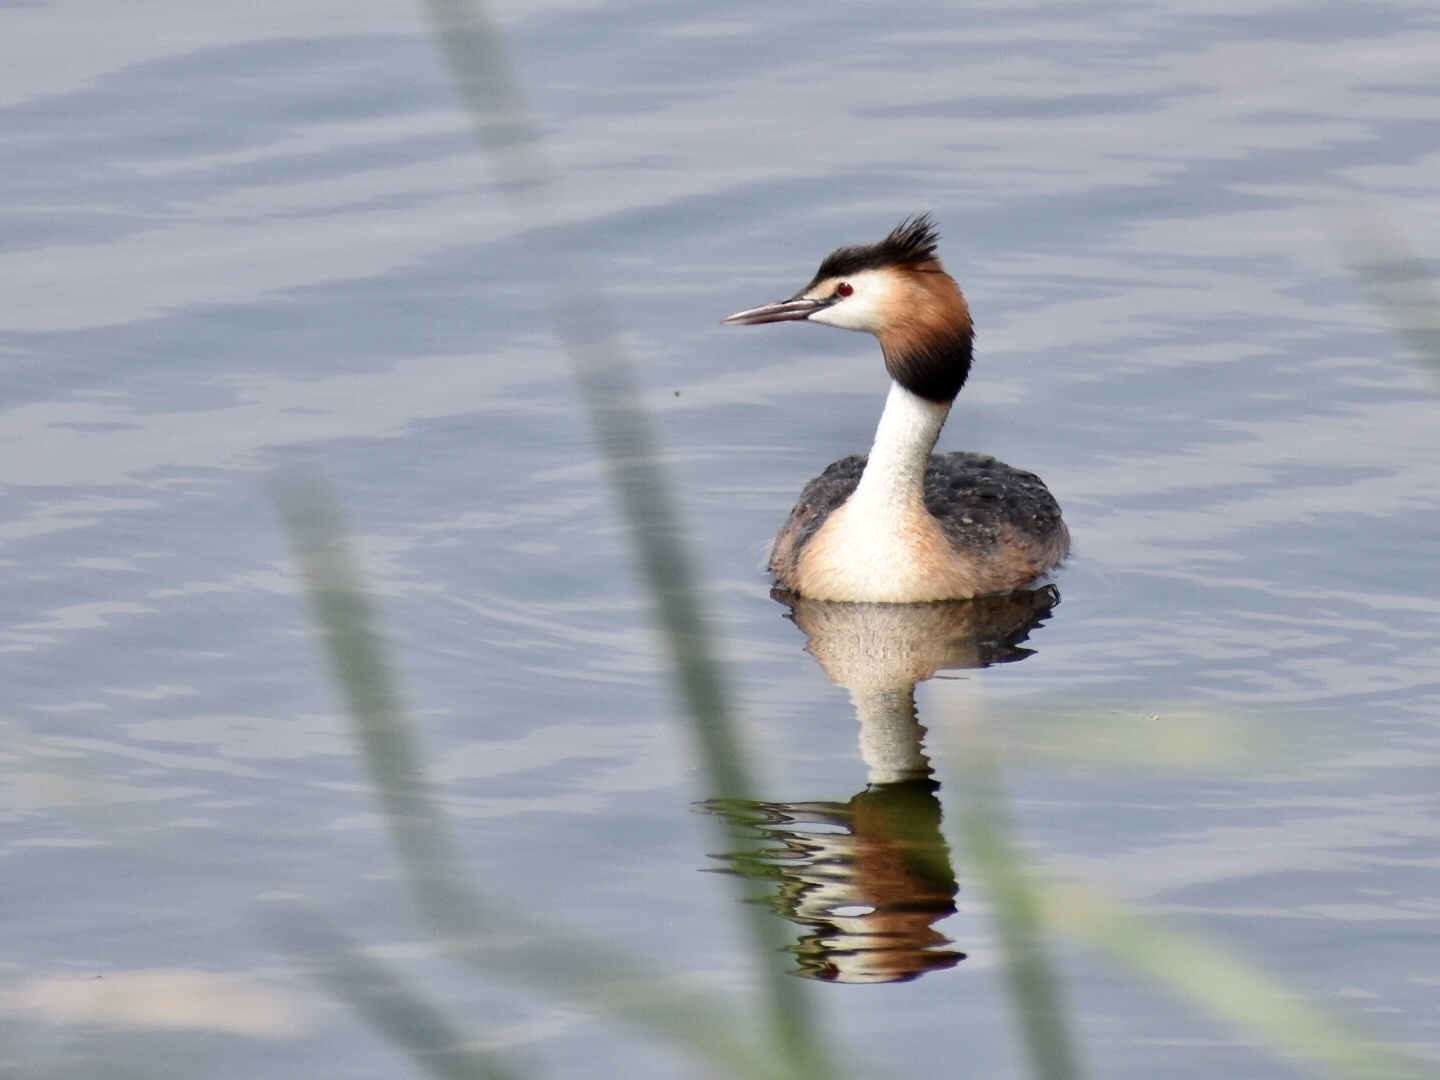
(981, 503)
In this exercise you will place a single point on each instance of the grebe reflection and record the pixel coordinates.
(868, 878)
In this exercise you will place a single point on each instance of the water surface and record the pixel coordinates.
(227, 232)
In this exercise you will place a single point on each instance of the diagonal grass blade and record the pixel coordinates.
(384, 998)
(1016, 905)
(475, 931)
(488, 83)
(1226, 987)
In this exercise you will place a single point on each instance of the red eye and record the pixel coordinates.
(844, 289)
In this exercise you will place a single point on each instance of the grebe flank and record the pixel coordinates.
(903, 525)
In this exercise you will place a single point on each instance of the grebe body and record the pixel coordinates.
(902, 525)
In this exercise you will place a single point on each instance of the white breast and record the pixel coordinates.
(892, 558)
(882, 545)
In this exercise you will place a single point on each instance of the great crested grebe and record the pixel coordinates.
(905, 526)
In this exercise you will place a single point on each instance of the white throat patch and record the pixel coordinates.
(865, 308)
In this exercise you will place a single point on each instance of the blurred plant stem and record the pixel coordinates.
(610, 390)
(1225, 986)
(369, 685)
(386, 1000)
(476, 932)
(1400, 284)
(1028, 903)
(1015, 902)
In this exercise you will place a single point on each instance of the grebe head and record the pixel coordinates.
(897, 290)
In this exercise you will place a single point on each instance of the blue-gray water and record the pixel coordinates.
(236, 228)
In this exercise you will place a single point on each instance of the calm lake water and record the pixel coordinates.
(229, 229)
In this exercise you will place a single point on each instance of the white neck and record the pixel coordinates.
(895, 475)
(882, 546)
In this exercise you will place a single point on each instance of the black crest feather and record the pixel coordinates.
(910, 243)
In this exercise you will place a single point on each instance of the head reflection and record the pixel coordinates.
(868, 878)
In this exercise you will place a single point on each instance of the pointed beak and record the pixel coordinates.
(792, 310)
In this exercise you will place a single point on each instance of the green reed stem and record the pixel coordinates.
(391, 1003)
(1030, 903)
(474, 930)
(1016, 909)
(1225, 986)
(505, 127)
(1401, 285)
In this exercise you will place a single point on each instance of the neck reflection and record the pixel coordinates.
(869, 878)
